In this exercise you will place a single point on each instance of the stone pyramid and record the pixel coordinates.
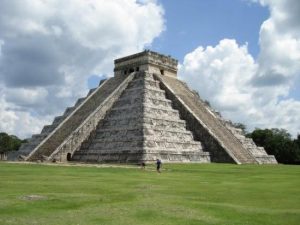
(142, 113)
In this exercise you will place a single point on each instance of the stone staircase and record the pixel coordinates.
(141, 126)
(36, 139)
(222, 138)
(53, 135)
(258, 152)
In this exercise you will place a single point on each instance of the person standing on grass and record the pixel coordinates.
(143, 165)
(158, 165)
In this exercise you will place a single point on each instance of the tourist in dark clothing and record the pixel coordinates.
(143, 165)
(158, 165)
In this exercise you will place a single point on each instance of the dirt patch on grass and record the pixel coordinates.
(33, 197)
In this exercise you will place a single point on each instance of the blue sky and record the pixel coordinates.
(192, 23)
(243, 56)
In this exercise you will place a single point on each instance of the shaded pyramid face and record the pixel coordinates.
(141, 126)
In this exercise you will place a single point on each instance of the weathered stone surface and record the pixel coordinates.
(209, 128)
(141, 114)
(141, 126)
(64, 125)
(73, 142)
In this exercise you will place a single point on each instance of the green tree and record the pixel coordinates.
(9, 142)
(278, 142)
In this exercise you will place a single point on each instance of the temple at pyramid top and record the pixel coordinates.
(147, 60)
(141, 114)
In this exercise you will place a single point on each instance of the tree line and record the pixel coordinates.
(278, 142)
(9, 142)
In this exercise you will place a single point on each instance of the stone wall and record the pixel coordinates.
(146, 61)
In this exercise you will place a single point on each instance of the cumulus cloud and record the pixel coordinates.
(48, 49)
(279, 57)
(17, 119)
(221, 72)
(254, 92)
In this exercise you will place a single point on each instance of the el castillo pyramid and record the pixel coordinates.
(142, 113)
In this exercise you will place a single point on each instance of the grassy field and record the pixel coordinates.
(181, 194)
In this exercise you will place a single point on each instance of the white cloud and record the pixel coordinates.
(16, 121)
(26, 97)
(220, 73)
(254, 92)
(49, 48)
(279, 57)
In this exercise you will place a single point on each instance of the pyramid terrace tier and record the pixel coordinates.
(135, 121)
(142, 155)
(127, 149)
(137, 144)
(145, 91)
(145, 110)
(149, 101)
(147, 132)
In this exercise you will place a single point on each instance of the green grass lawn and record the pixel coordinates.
(181, 194)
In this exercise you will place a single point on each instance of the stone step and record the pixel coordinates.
(261, 149)
(47, 129)
(57, 120)
(143, 95)
(132, 121)
(165, 123)
(150, 101)
(180, 146)
(91, 91)
(39, 136)
(101, 82)
(144, 90)
(69, 110)
(147, 117)
(145, 128)
(114, 135)
(132, 133)
(256, 152)
(27, 147)
(145, 109)
(34, 141)
(161, 112)
(134, 145)
(79, 101)
(138, 156)
(266, 159)
(109, 157)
